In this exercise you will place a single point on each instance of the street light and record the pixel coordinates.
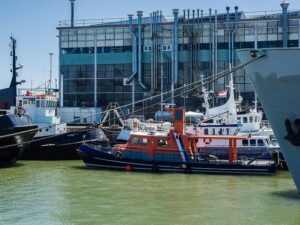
(50, 81)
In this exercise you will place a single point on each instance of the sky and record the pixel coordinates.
(33, 24)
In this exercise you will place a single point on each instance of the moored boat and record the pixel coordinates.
(16, 131)
(172, 151)
(52, 140)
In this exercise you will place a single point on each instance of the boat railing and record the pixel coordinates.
(243, 155)
(203, 155)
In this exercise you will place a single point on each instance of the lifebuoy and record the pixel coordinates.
(207, 140)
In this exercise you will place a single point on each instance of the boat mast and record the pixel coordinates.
(14, 83)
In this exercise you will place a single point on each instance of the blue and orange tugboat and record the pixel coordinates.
(171, 150)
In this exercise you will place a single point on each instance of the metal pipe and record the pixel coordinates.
(95, 69)
(130, 79)
(201, 27)
(233, 36)
(134, 53)
(213, 49)
(210, 43)
(61, 90)
(190, 54)
(60, 84)
(255, 35)
(174, 77)
(161, 66)
(285, 21)
(155, 50)
(216, 42)
(72, 12)
(228, 30)
(197, 35)
(152, 49)
(50, 79)
(194, 46)
(140, 14)
(216, 50)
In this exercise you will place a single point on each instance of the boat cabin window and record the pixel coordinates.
(38, 103)
(144, 141)
(25, 102)
(245, 142)
(255, 119)
(20, 102)
(42, 103)
(134, 141)
(260, 143)
(221, 132)
(51, 104)
(30, 101)
(206, 131)
(238, 119)
(252, 142)
(250, 119)
(214, 131)
(245, 120)
(162, 142)
(227, 131)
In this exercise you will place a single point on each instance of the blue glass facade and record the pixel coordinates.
(98, 57)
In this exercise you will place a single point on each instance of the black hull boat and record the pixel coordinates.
(16, 132)
(62, 146)
(102, 156)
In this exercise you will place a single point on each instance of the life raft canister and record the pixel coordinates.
(207, 140)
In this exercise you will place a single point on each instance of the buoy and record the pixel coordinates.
(128, 168)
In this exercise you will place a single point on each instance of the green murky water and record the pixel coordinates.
(67, 193)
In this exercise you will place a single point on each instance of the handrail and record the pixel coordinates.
(251, 15)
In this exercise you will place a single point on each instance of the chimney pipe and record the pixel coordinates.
(72, 12)
(285, 27)
(228, 31)
(175, 52)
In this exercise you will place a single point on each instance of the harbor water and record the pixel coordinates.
(65, 192)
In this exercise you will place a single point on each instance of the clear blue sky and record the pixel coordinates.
(33, 23)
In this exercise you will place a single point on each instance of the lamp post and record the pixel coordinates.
(50, 81)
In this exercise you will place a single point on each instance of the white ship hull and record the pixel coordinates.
(276, 79)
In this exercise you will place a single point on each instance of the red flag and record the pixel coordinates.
(222, 93)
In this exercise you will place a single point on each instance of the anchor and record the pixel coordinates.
(292, 136)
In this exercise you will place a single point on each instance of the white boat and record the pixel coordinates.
(276, 79)
(42, 110)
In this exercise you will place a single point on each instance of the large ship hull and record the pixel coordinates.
(276, 79)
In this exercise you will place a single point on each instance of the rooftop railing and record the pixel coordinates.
(271, 14)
